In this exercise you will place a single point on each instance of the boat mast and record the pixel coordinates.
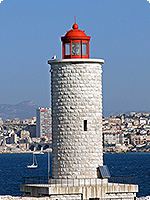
(48, 164)
(33, 159)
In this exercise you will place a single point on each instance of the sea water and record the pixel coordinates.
(131, 165)
(14, 166)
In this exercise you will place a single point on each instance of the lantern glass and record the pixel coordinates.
(84, 49)
(68, 49)
(76, 48)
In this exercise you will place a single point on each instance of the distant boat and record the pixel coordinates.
(34, 165)
(38, 152)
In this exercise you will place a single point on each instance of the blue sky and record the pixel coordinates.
(30, 32)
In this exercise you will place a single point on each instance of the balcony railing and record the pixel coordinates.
(121, 179)
(77, 182)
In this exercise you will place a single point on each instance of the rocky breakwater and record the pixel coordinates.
(7, 197)
(119, 148)
(54, 197)
(144, 198)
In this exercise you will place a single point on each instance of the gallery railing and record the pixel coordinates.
(77, 182)
(35, 180)
(122, 179)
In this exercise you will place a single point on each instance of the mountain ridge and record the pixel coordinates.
(24, 109)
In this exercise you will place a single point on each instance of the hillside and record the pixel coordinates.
(25, 109)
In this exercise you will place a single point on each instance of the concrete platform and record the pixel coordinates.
(102, 190)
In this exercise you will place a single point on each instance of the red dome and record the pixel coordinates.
(75, 33)
(75, 44)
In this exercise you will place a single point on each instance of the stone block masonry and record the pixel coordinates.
(77, 117)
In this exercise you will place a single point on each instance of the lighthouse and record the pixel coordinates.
(76, 90)
(78, 172)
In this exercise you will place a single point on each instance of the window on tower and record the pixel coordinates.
(85, 125)
(68, 49)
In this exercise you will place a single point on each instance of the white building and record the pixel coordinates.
(43, 122)
(113, 138)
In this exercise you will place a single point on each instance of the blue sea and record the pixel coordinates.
(13, 168)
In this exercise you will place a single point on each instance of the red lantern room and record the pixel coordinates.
(75, 44)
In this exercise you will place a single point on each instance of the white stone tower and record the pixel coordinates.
(76, 83)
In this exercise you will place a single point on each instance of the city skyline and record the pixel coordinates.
(30, 36)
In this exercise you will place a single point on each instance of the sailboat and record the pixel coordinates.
(34, 165)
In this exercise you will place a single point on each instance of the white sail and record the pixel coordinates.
(34, 165)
